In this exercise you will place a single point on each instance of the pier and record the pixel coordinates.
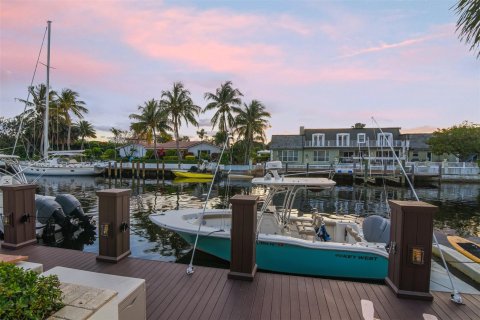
(209, 294)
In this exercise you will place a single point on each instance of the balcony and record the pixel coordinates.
(353, 144)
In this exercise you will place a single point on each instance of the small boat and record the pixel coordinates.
(466, 247)
(187, 174)
(191, 180)
(288, 242)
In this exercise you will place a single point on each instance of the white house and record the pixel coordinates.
(194, 147)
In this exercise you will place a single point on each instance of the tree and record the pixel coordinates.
(178, 107)
(67, 103)
(462, 140)
(358, 125)
(223, 100)
(469, 23)
(202, 134)
(117, 137)
(251, 123)
(149, 121)
(85, 130)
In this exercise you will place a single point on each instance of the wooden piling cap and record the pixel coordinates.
(113, 192)
(243, 198)
(410, 203)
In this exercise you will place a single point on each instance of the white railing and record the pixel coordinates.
(353, 143)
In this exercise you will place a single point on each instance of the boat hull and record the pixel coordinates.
(197, 175)
(63, 171)
(293, 259)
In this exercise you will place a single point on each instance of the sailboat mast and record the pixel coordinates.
(45, 121)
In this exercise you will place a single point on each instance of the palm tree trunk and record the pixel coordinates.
(177, 143)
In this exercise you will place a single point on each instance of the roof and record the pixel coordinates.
(418, 141)
(286, 142)
(371, 133)
(183, 145)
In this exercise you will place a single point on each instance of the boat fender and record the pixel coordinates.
(376, 229)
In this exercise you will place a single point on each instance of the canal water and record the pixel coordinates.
(459, 208)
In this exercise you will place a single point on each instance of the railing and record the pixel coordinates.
(353, 143)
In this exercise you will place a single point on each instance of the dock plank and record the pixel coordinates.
(209, 294)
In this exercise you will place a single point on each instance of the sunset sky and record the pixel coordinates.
(318, 64)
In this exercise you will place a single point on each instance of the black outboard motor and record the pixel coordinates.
(72, 207)
(376, 229)
(47, 209)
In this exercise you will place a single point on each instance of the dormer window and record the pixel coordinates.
(318, 140)
(385, 139)
(361, 138)
(343, 139)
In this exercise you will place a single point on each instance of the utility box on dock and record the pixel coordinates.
(243, 264)
(113, 224)
(19, 215)
(410, 248)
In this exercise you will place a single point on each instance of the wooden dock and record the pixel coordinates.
(208, 294)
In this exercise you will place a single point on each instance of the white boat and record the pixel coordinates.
(61, 163)
(287, 242)
(53, 162)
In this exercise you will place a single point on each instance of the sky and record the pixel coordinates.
(317, 64)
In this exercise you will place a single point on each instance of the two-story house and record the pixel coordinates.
(327, 146)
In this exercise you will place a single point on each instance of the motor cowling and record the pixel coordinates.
(72, 207)
(48, 208)
(376, 229)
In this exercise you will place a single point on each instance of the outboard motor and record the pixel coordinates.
(72, 207)
(48, 208)
(376, 229)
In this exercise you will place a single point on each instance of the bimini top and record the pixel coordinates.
(293, 181)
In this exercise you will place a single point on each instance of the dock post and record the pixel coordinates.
(143, 169)
(114, 224)
(138, 169)
(157, 169)
(243, 264)
(121, 169)
(410, 249)
(115, 172)
(163, 169)
(19, 215)
(109, 171)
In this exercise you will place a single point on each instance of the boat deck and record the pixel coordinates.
(208, 294)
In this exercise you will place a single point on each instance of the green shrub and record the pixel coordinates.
(169, 158)
(188, 158)
(27, 295)
(171, 153)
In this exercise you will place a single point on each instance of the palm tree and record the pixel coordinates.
(85, 130)
(117, 133)
(178, 106)
(251, 124)
(67, 103)
(223, 100)
(469, 23)
(149, 121)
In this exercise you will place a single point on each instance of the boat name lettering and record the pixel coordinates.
(271, 243)
(351, 256)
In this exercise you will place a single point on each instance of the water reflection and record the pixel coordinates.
(458, 206)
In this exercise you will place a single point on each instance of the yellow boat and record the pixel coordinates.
(466, 247)
(186, 174)
(191, 180)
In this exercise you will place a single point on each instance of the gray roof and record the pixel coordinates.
(371, 133)
(286, 142)
(418, 141)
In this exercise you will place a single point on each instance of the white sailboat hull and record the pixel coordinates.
(68, 170)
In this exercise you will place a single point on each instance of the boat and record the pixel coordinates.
(53, 162)
(195, 175)
(62, 163)
(191, 180)
(287, 241)
(466, 247)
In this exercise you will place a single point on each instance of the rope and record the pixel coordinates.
(190, 265)
(455, 295)
(28, 96)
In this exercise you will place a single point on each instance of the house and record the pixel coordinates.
(419, 150)
(193, 147)
(327, 146)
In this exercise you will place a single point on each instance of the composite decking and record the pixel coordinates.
(209, 294)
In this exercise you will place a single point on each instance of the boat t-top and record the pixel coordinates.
(288, 241)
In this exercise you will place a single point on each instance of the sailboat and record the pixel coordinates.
(58, 163)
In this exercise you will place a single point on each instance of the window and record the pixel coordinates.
(385, 139)
(289, 155)
(320, 155)
(318, 140)
(203, 154)
(361, 138)
(343, 139)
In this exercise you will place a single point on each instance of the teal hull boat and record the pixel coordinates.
(286, 258)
